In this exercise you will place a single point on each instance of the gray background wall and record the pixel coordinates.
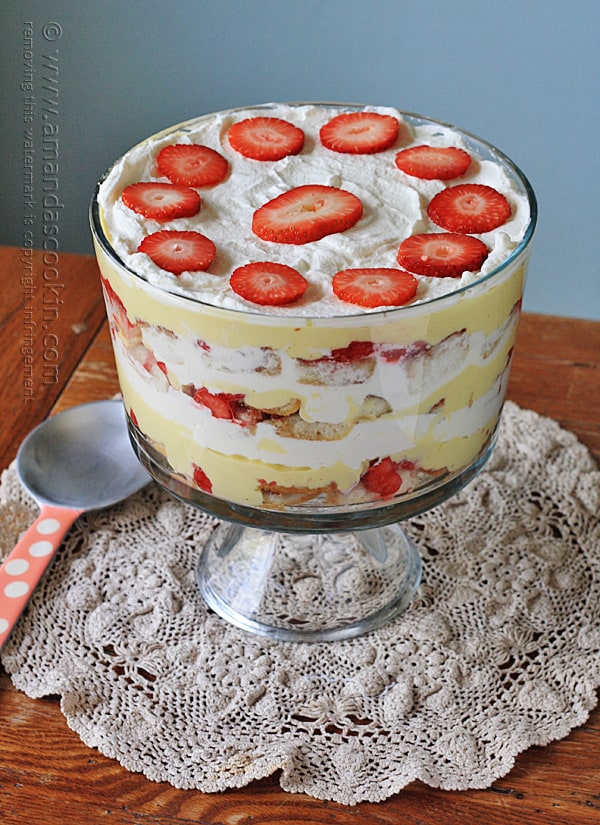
(103, 75)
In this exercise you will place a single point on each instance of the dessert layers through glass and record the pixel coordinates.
(242, 412)
(268, 412)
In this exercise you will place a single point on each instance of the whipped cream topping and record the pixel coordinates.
(394, 208)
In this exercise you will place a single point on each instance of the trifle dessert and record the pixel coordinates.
(313, 308)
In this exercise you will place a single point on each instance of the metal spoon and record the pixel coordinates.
(75, 461)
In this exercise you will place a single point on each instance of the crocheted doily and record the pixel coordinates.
(500, 649)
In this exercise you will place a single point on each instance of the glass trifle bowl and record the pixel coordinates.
(313, 326)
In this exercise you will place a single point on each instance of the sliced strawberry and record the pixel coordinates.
(355, 351)
(161, 201)
(360, 133)
(147, 359)
(268, 283)
(358, 353)
(374, 287)
(179, 251)
(118, 310)
(191, 164)
(442, 254)
(221, 404)
(229, 406)
(306, 213)
(202, 480)
(469, 207)
(433, 162)
(265, 138)
(394, 355)
(383, 478)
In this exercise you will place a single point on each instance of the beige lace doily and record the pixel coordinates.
(499, 651)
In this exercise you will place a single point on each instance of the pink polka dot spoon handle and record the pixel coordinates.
(22, 570)
(75, 461)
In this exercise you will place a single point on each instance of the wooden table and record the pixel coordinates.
(48, 776)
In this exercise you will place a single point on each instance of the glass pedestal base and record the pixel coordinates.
(308, 587)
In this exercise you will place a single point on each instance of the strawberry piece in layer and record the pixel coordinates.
(383, 478)
(201, 479)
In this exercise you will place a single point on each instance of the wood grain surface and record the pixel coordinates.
(49, 313)
(47, 775)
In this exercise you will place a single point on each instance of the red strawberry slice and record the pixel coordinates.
(374, 287)
(383, 478)
(469, 207)
(306, 213)
(355, 351)
(265, 138)
(360, 133)
(191, 164)
(268, 283)
(433, 162)
(442, 254)
(161, 201)
(202, 480)
(229, 406)
(221, 404)
(179, 251)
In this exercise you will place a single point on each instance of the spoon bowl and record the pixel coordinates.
(76, 461)
(81, 458)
